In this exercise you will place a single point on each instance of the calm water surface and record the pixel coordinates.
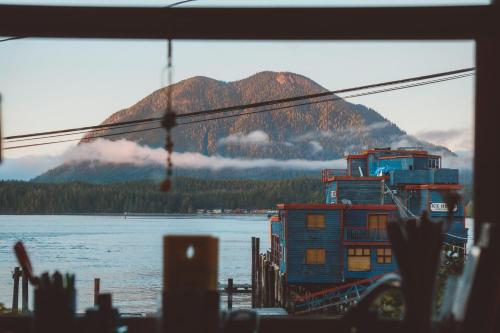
(125, 253)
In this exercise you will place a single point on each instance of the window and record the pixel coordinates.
(315, 256)
(377, 221)
(433, 163)
(358, 259)
(315, 221)
(384, 256)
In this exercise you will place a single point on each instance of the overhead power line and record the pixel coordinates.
(10, 38)
(257, 111)
(247, 106)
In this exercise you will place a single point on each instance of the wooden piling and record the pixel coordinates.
(97, 290)
(15, 293)
(261, 286)
(254, 274)
(229, 294)
(24, 292)
(257, 254)
(265, 288)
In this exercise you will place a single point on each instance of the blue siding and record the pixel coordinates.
(300, 239)
(404, 163)
(420, 163)
(357, 163)
(360, 192)
(376, 269)
(355, 218)
(446, 176)
(429, 176)
(411, 177)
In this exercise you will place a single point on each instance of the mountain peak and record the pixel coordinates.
(317, 131)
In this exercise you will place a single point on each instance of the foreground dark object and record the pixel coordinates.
(479, 23)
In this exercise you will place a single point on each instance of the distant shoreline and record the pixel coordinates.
(132, 215)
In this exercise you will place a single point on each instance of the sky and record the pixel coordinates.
(50, 84)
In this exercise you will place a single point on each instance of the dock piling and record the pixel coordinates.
(97, 290)
(229, 294)
(15, 293)
(24, 292)
(254, 274)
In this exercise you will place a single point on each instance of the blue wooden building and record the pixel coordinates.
(345, 238)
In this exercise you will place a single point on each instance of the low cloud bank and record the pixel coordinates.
(253, 138)
(464, 160)
(456, 139)
(342, 133)
(124, 151)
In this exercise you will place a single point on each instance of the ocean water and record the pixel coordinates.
(126, 254)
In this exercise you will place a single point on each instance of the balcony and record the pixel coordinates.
(328, 173)
(365, 235)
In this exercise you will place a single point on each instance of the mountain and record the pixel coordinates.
(317, 131)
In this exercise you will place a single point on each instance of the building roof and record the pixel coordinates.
(298, 206)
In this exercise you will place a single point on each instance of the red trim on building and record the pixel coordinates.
(401, 151)
(356, 156)
(336, 206)
(433, 187)
(275, 218)
(405, 156)
(333, 178)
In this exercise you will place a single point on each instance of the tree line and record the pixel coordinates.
(187, 195)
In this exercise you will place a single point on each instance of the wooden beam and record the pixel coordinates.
(487, 132)
(449, 22)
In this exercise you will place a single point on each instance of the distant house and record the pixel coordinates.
(345, 238)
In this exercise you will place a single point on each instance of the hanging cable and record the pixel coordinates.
(247, 113)
(10, 38)
(252, 105)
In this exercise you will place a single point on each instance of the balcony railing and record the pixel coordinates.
(328, 173)
(365, 234)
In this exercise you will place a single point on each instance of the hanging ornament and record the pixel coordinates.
(168, 123)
